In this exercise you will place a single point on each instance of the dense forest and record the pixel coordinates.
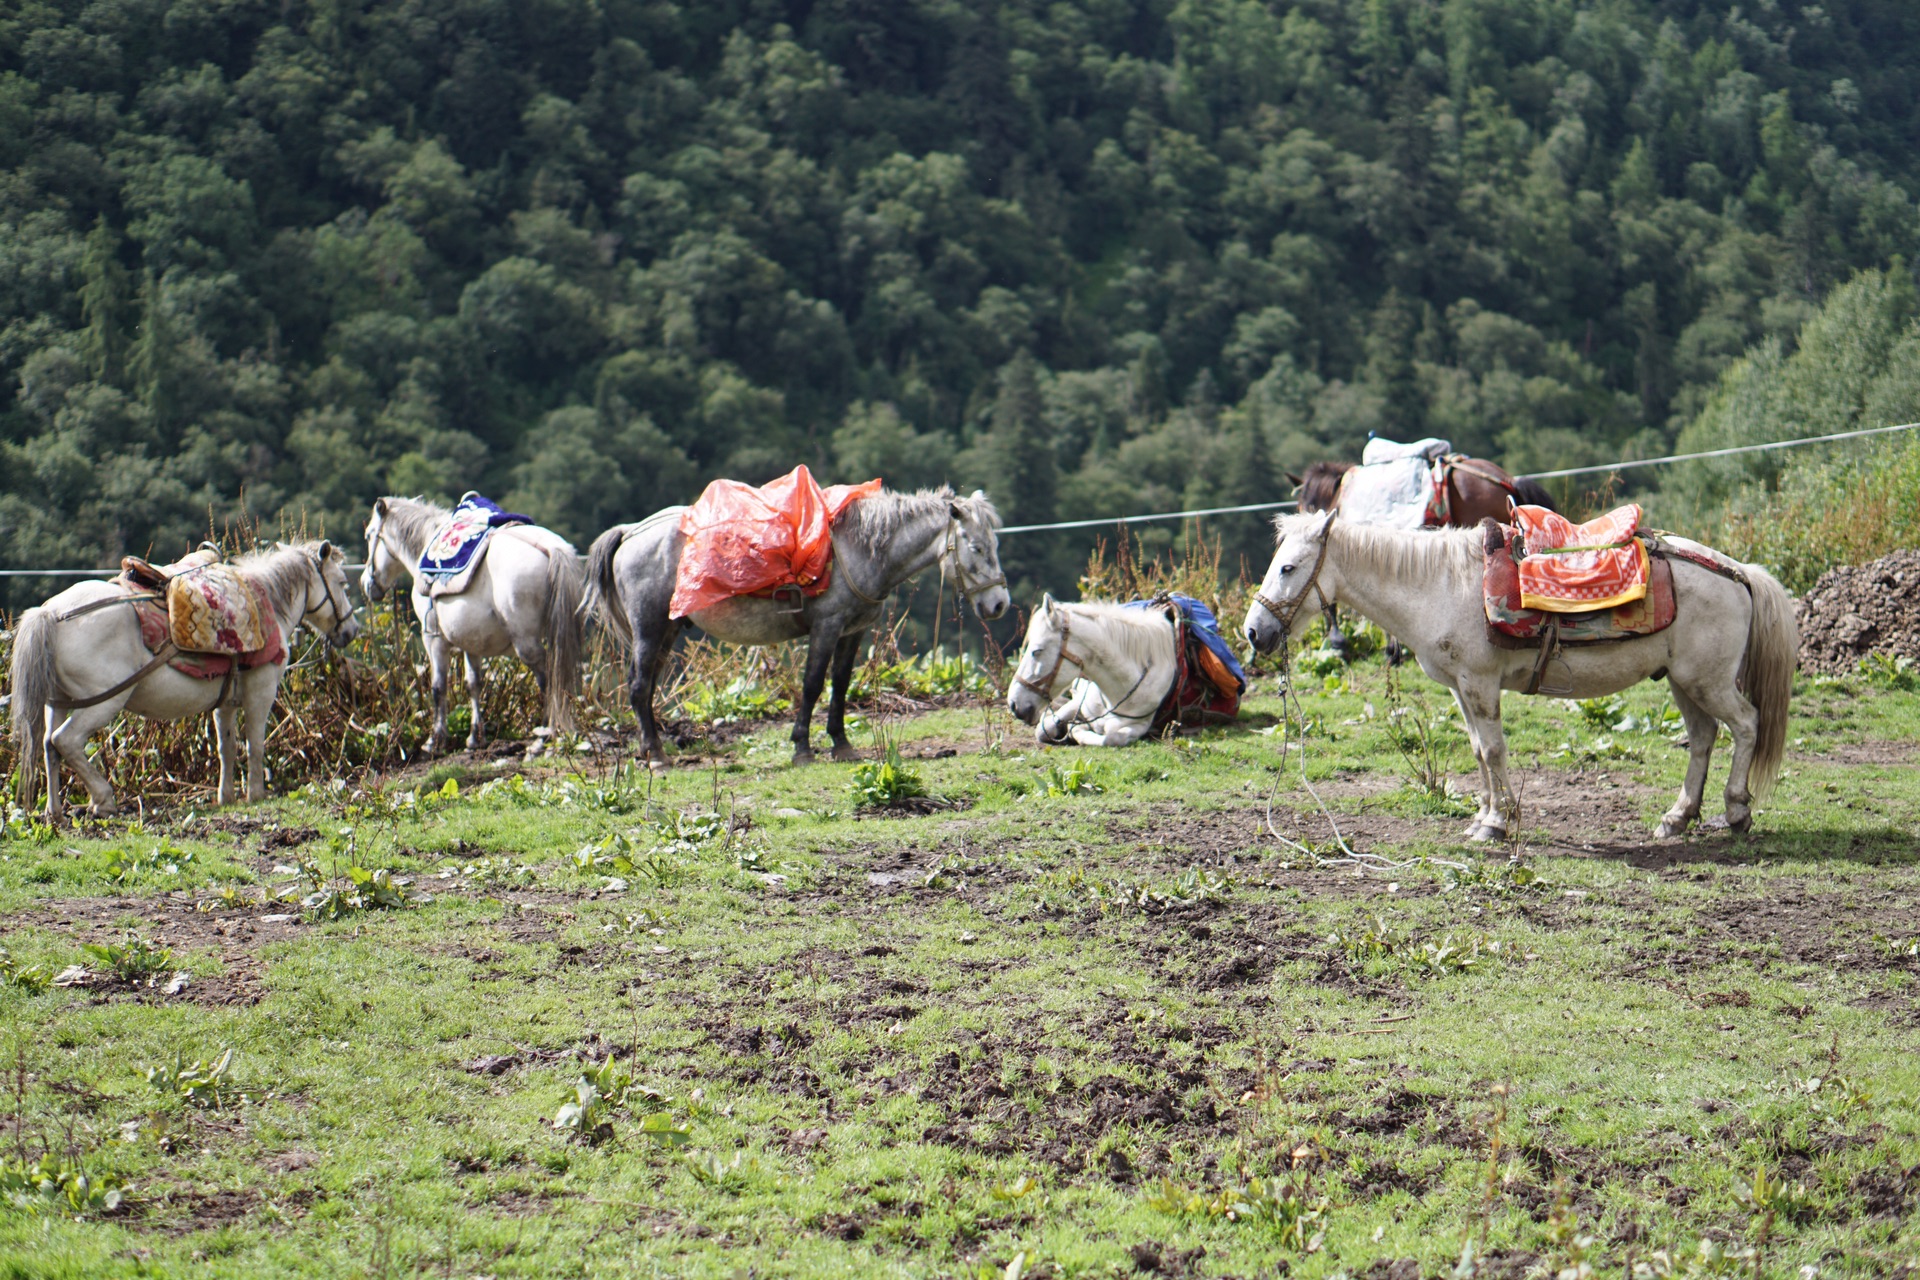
(270, 260)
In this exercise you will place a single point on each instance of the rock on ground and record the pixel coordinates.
(1854, 610)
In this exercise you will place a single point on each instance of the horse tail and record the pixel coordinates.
(1773, 650)
(603, 593)
(33, 688)
(1531, 493)
(564, 626)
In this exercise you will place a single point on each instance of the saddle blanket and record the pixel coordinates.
(742, 540)
(1569, 568)
(1511, 624)
(1209, 680)
(1398, 486)
(219, 608)
(454, 552)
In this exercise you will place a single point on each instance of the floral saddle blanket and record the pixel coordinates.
(455, 551)
(213, 616)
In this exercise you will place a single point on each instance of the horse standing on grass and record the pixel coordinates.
(879, 542)
(79, 661)
(524, 598)
(1426, 587)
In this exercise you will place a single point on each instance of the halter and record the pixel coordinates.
(339, 615)
(952, 554)
(1045, 689)
(1284, 614)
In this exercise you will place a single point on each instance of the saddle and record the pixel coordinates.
(1207, 681)
(214, 620)
(1513, 624)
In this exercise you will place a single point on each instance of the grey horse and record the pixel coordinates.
(878, 544)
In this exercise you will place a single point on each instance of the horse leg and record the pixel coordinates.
(1480, 706)
(439, 661)
(476, 685)
(1083, 704)
(49, 766)
(257, 692)
(1701, 731)
(1336, 638)
(821, 650)
(226, 731)
(844, 655)
(533, 653)
(1726, 704)
(70, 740)
(650, 650)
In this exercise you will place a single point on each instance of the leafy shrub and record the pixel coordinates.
(132, 960)
(197, 1083)
(743, 698)
(32, 979)
(1897, 674)
(603, 1091)
(57, 1184)
(1292, 1210)
(881, 784)
(1077, 778)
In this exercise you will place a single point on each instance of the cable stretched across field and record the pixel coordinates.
(1104, 521)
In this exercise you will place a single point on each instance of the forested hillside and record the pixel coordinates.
(1099, 257)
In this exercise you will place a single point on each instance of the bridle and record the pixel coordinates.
(1284, 614)
(340, 613)
(972, 588)
(1045, 687)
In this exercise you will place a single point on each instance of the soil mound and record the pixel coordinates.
(1854, 610)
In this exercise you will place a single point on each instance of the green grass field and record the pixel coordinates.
(1073, 1013)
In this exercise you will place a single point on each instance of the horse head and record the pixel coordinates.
(1045, 661)
(383, 566)
(972, 554)
(329, 608)
(1279, 610)
(1319, 488)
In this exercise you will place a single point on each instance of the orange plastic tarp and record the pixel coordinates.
(1572, 568)
(741, 539)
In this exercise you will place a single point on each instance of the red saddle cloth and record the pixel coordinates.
(1511, 624)
(1203, 690)
(742, 540)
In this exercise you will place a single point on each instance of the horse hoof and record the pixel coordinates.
(803, 756)
(846, 754)
(1671, 827)
(1486, 833)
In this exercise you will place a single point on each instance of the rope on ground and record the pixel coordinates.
(1289, 697)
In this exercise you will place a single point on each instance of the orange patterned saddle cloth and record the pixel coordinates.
(1585, 583)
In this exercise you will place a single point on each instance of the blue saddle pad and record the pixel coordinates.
(452, 549)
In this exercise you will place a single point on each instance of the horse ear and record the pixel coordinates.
(953, 509)
(380, 507)
(327, 550)
(1046, 602)
(1293, 479)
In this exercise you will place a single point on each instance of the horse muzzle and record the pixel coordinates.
(992, 603)
(1024, 704)
(343, 635)
(1263, 631)
(371, 587)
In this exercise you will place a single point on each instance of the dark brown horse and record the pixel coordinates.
(1476, 490)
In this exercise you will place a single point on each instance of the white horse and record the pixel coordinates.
(78, 662)
(1426, 587)
(1122, 664)
(524, 598)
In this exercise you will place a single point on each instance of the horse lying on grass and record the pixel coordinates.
(1425, 587)
(79, 661)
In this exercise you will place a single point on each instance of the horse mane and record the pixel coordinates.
(1139, 634)
(1454, 556)
(281, 570)
(1320, 485)
(414, 520)
(873, 522)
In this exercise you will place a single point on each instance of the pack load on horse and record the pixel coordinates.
(169, 642)
(1423, 485)
(1136, 670)
(1544, 606)
(486, 583)
(789, 560)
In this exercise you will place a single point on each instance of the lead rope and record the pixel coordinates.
(1289, 697)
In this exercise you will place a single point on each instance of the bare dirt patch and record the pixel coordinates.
(234, 937)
